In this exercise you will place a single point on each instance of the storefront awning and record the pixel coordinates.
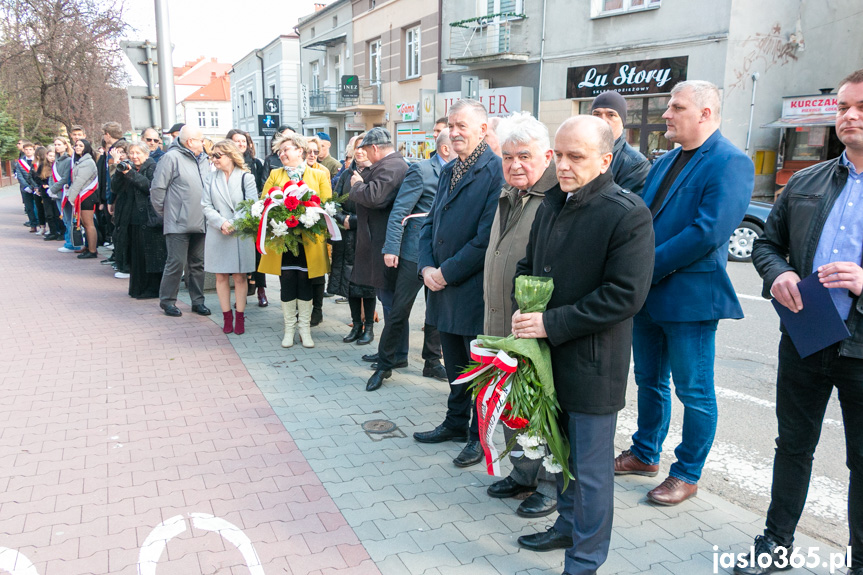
(326, 42)
(803, 121)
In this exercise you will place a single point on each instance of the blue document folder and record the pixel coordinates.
(818, 324)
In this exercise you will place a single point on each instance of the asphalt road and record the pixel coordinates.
(739, 467)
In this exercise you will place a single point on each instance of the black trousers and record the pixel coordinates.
(295, 284)
(459, 405)
(394, 342)
(52, 214)
(803, 388)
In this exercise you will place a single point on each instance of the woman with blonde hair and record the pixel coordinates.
(296, 272)
(61, 171)
(225, 254)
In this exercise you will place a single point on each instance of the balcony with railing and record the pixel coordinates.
(334, 101)
(494, 38)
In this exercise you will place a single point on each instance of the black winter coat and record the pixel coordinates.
(599, 249)
(374, 198)
(344, 251)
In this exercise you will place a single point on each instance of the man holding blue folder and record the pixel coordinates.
(816, 226)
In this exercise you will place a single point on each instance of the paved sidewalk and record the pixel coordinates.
(137, 443)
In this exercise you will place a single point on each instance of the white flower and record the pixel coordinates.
(551, 465)
(530, 441)
(533, 452)
(257, 208)
(330, 208)
(279, 229)
(309, 219)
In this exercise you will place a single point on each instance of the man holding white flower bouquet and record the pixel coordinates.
(588, 326)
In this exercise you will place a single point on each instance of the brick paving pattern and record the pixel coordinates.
(137, 443)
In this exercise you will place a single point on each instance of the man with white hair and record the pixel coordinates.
(175, 193)
(529, 171)
(698, 194)
(451, 252)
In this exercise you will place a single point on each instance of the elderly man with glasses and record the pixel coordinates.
(154, 144)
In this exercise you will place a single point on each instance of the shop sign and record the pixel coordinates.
(809, 105)
(355, 126)
(657, 76)
(498, 101)
(408, 111)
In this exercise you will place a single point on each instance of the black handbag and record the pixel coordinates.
(77, 236)
(154, 220)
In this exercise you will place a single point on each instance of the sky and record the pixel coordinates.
(223, 29)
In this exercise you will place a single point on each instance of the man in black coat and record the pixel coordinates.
(374, 194)
(628, 166)
(452, 248)
(588, 326)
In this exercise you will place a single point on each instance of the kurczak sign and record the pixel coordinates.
(656, 76)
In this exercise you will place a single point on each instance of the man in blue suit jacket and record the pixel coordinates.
(698, 194)
(451, 257)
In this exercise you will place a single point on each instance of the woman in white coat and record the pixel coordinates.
(224, 253)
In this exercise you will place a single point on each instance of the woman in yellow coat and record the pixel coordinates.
(295, 272)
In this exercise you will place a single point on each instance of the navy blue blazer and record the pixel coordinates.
(693, 225)
(416, 196)
(454, 238)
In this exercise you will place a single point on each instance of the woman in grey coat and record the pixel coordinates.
(224, 253)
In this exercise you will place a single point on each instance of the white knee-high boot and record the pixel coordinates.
(304, 323)
(289, 310)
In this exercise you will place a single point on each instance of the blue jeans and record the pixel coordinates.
(68, 219)
(684, 350)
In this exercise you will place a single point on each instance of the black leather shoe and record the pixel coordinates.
(377, 379)
(440, 434)
(547, 541)
(88, 255)
(435, 371)
(354, 334)
(172, 310)
(370, 357)
(368, 334)
(765, 545)
(398, 365)
(507, 487)
(201, 309)
(470, 455)
(50, 237)
(537, 505)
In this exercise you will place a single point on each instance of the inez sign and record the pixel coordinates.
(656, 76)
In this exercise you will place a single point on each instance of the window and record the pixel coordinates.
(251, 103)
(312, 31)
(245, 109)
(601, 8)
(272, 90)
(316, 76)
(644, 129)
(202, 119)
(412, 53)
(375, 62)
(504, 6)
(337, 68)
(335, 21)
(214, 119)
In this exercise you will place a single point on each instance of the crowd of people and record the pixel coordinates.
(637, 252)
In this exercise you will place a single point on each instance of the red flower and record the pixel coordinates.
(292, 222)
(313, 201)
(292, 203)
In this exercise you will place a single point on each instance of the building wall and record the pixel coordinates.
(388, 21)
(187, 112)
(322, 23)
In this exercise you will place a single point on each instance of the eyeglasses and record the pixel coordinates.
(153, 140)
(217, 155)
(313, 152)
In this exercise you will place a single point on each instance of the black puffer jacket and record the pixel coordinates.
(344, 251)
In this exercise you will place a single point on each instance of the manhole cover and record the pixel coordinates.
(379, 426)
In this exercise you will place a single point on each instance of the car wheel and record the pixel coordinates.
(740, 244)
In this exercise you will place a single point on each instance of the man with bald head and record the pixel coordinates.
(175, 194)
(588, 326)
(153, 140)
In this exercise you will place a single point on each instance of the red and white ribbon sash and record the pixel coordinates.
(54, 174)
(24, 165)
(405, 220)
(491, 401)
(85, 193)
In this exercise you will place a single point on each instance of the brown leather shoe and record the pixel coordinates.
(628, 464)
(672, 491)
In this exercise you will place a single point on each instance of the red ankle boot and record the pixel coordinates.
(240, 323)
(229, 321)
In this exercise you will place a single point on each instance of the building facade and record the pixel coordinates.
(326, 50)
(395, 58)
(209, 108)
(269, 73)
